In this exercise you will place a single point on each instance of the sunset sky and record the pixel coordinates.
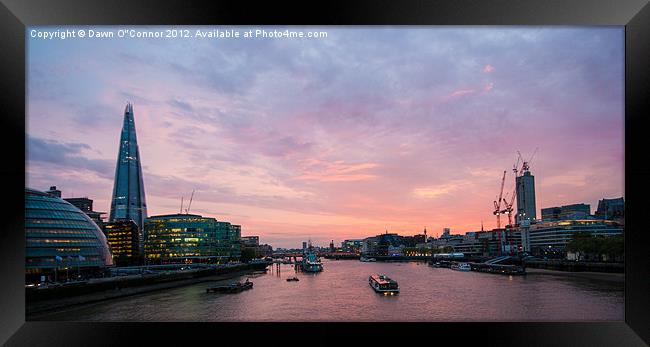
(369, 129)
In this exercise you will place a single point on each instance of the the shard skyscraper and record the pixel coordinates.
(128, 189)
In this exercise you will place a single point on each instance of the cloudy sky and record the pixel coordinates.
(371, 128)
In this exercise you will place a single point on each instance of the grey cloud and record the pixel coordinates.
(171, 186)
(135, 98)
(285, 146)
(95, 115)
(184, 106)
(67, 155)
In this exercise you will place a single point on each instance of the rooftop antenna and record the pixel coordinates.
(181, 205)
(187, 211)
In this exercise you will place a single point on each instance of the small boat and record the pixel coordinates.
(461, 267)
(367, 260)
(383, 284)
(231, 288)
(292, 279)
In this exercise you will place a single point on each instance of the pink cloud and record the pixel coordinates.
(461, 92)
(337, 171)
(488, 68)
(432, 192)
(488, 87)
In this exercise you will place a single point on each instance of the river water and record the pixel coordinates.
(341, 293)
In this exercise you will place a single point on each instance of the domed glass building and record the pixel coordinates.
(60, 236)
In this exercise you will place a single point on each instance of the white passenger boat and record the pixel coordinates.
(383, 284)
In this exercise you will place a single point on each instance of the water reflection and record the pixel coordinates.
(341, 293)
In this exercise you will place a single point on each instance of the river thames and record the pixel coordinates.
(341, 293)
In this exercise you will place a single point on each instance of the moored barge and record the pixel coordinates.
(231, 288)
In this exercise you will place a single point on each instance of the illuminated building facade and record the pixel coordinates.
(189, 238)
(61, 237)
(352, 245)
(552, 237)
(575, 211)
(124, 242)
(128, 201)
(233, 235)
(369, 246)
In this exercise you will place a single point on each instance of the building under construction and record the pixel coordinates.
(507, 239)
(526, 198)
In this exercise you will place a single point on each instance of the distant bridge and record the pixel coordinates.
(320, 254)
(286, 255)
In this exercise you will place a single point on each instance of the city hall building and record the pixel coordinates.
(61, 241)
(190, 238)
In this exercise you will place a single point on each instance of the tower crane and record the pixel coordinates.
(509, 205)
(517, 171)
(497, 209)
(181, 205)
(187, 210)
(508, 211)
(526, 163)
(497, 203)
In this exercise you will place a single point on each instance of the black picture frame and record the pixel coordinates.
(15, 15)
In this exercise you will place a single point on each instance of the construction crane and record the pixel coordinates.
(509, 204)
(497, 203)
(526, 163)
(517, 171)
(187, 210)
(508, 209)
(497, 208)
(181, 205)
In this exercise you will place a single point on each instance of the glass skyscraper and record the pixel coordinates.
(128, 201)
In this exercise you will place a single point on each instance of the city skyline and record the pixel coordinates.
(364, 131)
